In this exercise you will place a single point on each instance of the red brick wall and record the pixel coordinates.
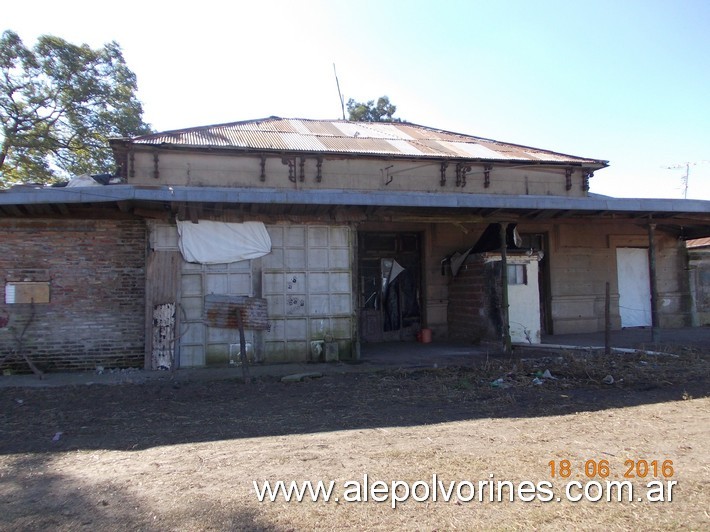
(474, 301)
(96, 274)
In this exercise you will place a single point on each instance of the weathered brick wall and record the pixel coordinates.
(96, 275)
(474, 301)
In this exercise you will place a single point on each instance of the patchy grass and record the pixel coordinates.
(163, 456)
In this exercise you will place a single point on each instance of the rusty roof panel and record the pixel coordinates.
(294, 141)
(273, 124)
(438, 148)
(357, 138)
(424, 148)
(359, 146)
(322, 127)
(364, 130)
(698, 243)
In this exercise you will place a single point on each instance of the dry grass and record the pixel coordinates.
(164, 458)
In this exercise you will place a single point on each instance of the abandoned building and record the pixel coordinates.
(349, 232)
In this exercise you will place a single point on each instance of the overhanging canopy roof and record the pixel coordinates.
(691, 218)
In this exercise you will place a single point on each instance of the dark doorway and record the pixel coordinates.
(389, 291)
(540, 242)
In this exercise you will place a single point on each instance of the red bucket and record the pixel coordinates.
(424, 336)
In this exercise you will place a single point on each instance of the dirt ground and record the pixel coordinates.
(184, 455)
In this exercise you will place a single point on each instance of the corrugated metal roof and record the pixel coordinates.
(358, 138)
(699, 243)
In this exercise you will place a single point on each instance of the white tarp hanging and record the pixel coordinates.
(210, 242)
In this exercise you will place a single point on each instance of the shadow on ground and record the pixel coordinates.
(157, 413)
(37, 497)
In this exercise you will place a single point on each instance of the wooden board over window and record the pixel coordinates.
(27, 292)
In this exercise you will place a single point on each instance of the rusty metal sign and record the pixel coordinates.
(225, 312)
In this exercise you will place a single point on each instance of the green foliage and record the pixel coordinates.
(382, 111)
(59, 104)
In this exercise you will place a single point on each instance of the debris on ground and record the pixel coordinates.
(501, 383)
(298, 377)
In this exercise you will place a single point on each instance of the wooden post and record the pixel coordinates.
(243, 348)
(507, 347)
(399, 311)
(607, 320)
(655, 332)
(237, 312)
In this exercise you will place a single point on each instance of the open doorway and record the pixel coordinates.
(389, 291)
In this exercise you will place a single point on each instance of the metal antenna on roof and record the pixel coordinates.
(684, 179)
(340, 94)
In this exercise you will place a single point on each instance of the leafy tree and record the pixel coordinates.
(59, 103)
(382, 111)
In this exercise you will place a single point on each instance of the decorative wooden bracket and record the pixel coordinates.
(461, 170)
(291, 162)
(131, 164)
(487, 175)
(262, 177)
(568, 178)
(156, 158)
(586, 176)
(444, 166)
(319, 169)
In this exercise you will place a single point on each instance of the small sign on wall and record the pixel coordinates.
(27, 292)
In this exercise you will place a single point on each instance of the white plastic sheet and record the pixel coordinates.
(84, 180)
(210, 242)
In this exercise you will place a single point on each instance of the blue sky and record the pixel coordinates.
(625, 81)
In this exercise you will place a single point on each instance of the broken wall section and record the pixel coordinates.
(474, 301)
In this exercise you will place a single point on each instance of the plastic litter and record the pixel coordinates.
(57, 436)
(537, 381)
(608, 379)
(501, 383)
(548, 375)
